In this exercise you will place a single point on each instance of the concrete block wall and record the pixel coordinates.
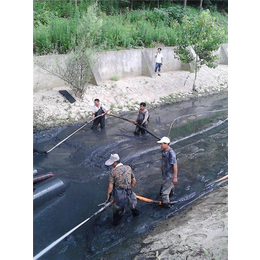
(224, 54)
(43, 79)
(169, 62)
(121, 64)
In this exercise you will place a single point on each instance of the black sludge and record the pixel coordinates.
(199, 138)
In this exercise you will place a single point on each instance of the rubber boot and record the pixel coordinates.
(135, 212)
(117, 216)
(171, 195)
(165, 201)
(166, 205)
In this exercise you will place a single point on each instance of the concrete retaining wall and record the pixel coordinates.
(121, 64)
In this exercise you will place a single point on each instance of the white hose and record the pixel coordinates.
(45, 250)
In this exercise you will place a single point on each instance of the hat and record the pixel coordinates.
(113, 158)
(164, 140)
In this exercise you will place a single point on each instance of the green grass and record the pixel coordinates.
(61, 27)
(114, 78)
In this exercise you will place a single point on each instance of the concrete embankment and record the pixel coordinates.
(51, 109)
(134, 81)
(200, 232)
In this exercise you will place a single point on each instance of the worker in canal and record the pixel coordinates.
(121, 183)
(169, 169)
(142, 119)
(98, 109)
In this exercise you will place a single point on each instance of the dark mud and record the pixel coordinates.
(199, 136)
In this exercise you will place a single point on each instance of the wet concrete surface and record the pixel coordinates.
(199, 136)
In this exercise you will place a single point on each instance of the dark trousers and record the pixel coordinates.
(139, 130)
(96, 122)
(123, 198)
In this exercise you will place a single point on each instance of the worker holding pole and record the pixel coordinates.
(121, 183)
(169, 171)
(142, 119)
(97, 111)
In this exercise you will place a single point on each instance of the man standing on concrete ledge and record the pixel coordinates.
(121, 183)
(97, 110)
(159, 61)
(169, 171)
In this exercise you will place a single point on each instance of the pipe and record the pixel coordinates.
(148, 200)
(212, 183)
(42, 177)
(47, 190)
(221, 179)
(159, 202)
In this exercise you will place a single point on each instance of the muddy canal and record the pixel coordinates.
(199, 136)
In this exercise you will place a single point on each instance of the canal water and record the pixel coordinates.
(198, 130)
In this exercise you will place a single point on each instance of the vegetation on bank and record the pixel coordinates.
(60, 27)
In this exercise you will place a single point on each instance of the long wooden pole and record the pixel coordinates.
(133, 122)
(40, 152)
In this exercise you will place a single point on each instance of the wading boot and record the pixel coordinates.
(117, 216)
(135, 212)
(166, 205)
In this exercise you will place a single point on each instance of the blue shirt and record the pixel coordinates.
(168, 160)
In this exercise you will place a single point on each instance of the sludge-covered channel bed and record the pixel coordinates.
(199, 136)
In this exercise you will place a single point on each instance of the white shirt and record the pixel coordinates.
(159, 57)
(95, 108)
(119, 165)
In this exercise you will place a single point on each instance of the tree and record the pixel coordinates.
(74, 68)
(184, 4)
(204, 35)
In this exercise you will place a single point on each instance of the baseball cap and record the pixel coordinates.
(113, 158)
(164, 140)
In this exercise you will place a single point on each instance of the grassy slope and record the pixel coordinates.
(60, 28)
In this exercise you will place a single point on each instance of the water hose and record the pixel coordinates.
(49, 247)
(45, 152)
(221, 179)
(133, 122)
(214, 182)
(158, 202)
(214, 111)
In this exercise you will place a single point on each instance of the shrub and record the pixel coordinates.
(62, 27)
(41, 40)
(74, 69)
(204, 35)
